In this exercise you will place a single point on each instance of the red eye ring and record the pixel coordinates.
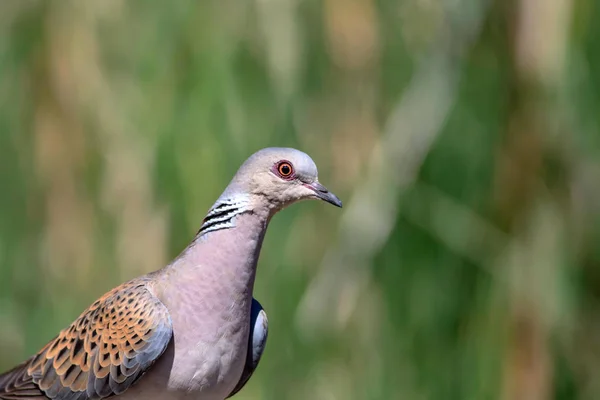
(285, 169)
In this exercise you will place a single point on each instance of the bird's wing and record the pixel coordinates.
(259, 327)
(105, 351)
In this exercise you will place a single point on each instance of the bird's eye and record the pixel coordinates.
(285, 169)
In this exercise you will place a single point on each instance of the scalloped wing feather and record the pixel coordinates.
(105, 351)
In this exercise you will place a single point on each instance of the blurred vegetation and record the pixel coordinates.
(462, 136)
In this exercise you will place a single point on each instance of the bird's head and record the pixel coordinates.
(280, 177)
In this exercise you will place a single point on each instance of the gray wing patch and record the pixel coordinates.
(259, 327)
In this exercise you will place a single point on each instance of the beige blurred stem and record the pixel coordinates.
(84, 83)
(542, 33)
(371, 213)
(534, 263)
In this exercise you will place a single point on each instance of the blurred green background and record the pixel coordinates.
(462, 136)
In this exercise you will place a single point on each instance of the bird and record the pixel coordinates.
(191, 330)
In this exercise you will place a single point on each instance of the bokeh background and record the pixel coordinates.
(463, 136)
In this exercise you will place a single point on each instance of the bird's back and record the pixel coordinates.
(104, 352)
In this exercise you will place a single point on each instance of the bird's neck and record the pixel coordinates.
(227, 246)
(208, 288)
(222, 215)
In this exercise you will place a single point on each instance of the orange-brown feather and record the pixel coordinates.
(102, 353)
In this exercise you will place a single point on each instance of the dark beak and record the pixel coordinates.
(324, 194)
